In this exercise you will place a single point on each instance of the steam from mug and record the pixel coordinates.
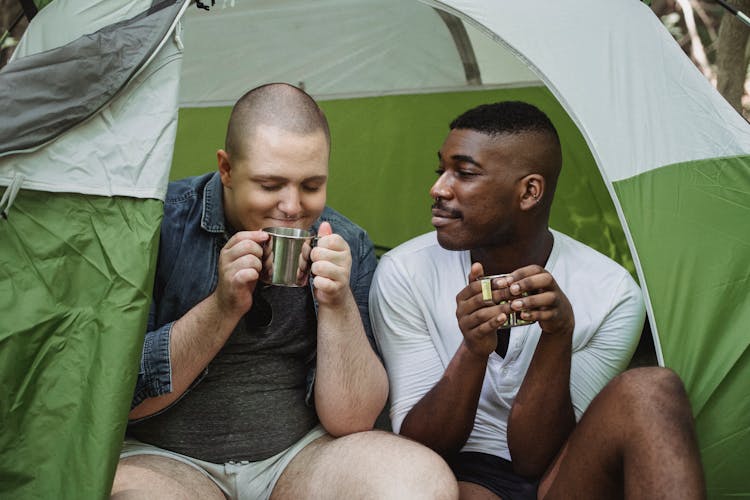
(286, 256)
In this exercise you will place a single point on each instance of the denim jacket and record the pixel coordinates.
(193, 233)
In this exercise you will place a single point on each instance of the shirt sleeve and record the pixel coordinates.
(360, 283)
(155, 372)
(609, 351)
(411, 360)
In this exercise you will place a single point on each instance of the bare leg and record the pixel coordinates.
(472, 491)
(372, 464)
(144, 477)
(636, 437)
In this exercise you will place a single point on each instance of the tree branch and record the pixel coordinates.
(696, 45)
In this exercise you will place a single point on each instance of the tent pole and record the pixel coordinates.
(737, 13)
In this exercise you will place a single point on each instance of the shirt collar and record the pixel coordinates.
(212, 218)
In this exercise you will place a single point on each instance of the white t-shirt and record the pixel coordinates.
(413, 313)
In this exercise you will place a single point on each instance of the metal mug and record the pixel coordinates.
(286, 256)
(514, 317)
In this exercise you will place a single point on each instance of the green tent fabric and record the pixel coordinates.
(86, 165)
(709, 217)
(656, 176)
(76, 274)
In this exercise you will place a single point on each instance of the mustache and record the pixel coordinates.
(438, 205)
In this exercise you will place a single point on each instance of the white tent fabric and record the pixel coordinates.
(124, 149)
(383, 47)
(608, 99)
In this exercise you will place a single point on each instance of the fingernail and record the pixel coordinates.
(514, 289)
(517, 304)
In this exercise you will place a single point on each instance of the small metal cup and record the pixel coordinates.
(286, 256)
(514, 317)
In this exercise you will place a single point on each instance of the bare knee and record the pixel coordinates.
(409, 469)
(652, 395)
(374, 464)
(150, 476)
(646, 384)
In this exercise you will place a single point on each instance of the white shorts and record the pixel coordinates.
(238, 480)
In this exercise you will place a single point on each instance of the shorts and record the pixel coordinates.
(238, 480)
(494, 473)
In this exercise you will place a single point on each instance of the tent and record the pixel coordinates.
(656, 175)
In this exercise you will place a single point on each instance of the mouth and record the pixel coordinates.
(442, 216)
(297, 222)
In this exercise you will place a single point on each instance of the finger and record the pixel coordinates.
(330, 271)
(533, 284)
(243, 246)
(246, 275)
(326, 288)
(483, 320)
(474, 286)
(324, 229)
(338, 257)
(256, 236)
(544, 300)
(243, 262)
(476, 271)
(333, 242)
(541, 315)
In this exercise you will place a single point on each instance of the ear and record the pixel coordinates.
(533, 191)
(225, 168)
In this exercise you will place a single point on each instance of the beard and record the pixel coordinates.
(470, 238)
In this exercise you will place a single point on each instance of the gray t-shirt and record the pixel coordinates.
(251, 403)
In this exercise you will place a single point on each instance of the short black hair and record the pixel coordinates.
(506, 117)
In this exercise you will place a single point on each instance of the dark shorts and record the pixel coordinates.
(494, 473)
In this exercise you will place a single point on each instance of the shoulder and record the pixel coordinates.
(187, 189)
(414, 248)
(339, 222)
(589, 275)
(423, 261)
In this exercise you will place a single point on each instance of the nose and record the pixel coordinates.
(441, 188)
(290, 203)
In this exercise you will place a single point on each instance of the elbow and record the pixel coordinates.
(340, 421)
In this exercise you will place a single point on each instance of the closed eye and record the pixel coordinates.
(312, 188)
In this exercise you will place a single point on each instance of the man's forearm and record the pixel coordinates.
(444, 418)
(351, 386)
(194, 341)
(542, 416)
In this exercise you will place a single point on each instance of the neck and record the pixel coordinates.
(525, 251)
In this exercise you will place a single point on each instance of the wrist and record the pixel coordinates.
(225, 315)
(469, 355)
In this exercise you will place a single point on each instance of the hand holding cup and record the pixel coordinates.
(239, 269)
(331, 267)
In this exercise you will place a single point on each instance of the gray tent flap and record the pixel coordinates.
(45, 94)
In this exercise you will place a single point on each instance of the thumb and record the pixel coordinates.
(324, 229)
(476, 271)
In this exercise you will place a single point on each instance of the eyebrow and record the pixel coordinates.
(278, 178)
(462, 159)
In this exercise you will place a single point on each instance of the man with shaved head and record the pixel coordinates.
(248, 390)
(504, 339)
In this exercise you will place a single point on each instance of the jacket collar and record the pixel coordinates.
(212, 217)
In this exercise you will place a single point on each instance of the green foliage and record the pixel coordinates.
(40, 4)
